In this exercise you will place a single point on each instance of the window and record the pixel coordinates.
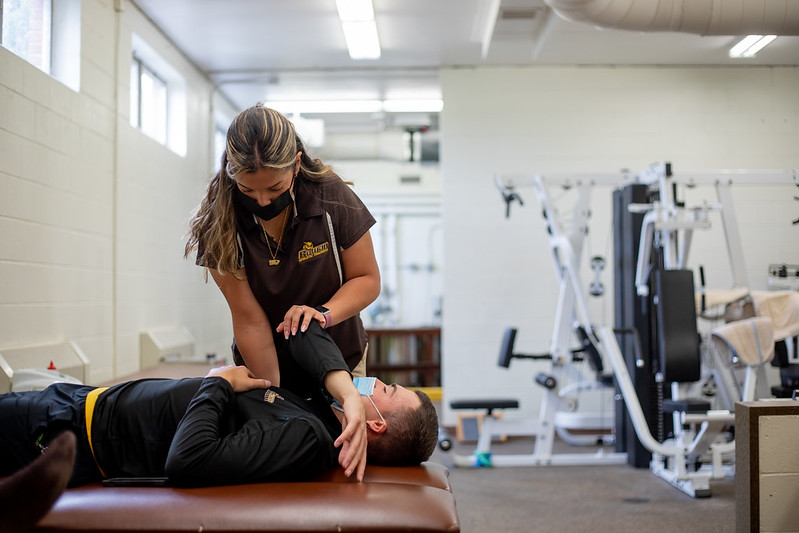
(222, 119)
(45, 33)
(220, 144)
(147, 101)
(26, 30)
(157, 98)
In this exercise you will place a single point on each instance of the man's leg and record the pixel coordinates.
(32, 420)
(29, 494)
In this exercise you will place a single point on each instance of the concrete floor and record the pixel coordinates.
(561, 499)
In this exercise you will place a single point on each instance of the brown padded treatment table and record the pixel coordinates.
(389, 499)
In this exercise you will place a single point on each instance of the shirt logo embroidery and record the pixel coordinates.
(270, 396)
(309, 251)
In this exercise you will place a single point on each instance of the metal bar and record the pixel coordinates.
(610, 347)
(733, 237)
(683, 177)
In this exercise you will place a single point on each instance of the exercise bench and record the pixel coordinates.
(554, 406)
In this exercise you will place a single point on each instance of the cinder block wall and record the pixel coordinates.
(92, 212)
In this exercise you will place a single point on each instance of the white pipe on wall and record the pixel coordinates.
(703, 17)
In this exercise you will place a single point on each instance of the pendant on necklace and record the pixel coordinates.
(274, 262)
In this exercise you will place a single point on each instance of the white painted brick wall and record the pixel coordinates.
(67, 181)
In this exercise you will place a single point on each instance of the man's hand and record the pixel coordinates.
(352, 440)
(239, 377)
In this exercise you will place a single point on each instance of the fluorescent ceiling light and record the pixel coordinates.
(362, 40)
(349, 10)
(356, 106)
(312, 130)
(328, 106)
(413, 106)
(360, 31)
(750, 45)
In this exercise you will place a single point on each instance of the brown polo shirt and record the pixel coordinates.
(310, 270)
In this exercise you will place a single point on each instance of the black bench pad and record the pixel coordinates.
(491, 403)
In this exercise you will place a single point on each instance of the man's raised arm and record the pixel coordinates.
(319, 356)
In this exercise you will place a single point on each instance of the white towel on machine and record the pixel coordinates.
(714, 297)
(782, 307)
(751, 339)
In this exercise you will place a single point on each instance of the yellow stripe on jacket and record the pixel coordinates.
(91, 399)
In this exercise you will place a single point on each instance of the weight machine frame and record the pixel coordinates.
(697, 435)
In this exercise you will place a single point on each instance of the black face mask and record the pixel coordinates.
(270, 210)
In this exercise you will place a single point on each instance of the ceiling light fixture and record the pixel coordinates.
(311, 107)
(750, 45)
(413, 106)
(327, 106)
(349, 10)
(360, 31)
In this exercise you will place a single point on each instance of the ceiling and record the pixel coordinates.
(261, 50)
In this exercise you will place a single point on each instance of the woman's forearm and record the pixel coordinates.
(251, 327)
(257, 348)
(361, 281)
(352, 298)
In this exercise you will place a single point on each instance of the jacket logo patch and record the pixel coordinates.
(309, 251)
(270, 396)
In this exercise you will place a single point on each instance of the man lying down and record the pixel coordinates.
(226, 428)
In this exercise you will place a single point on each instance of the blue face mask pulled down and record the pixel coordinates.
(365, 386)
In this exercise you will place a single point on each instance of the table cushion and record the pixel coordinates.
(389, 499)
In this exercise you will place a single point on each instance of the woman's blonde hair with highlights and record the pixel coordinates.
(258, 137)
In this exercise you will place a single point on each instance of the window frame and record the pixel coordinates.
(62, 55)
(45, 63)
(172, 111)
(143, 69)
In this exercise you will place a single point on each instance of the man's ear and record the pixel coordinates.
(376, 426)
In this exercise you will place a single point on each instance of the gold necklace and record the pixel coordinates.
(274, 261)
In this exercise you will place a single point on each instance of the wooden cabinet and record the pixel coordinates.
(767, 465)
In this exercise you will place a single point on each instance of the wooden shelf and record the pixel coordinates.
(408, 356)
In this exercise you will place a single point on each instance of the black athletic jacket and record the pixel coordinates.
(198, 431)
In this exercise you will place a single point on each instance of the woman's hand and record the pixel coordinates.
(298, 318)
(239, 377)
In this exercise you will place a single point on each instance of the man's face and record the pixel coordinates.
(392, 397)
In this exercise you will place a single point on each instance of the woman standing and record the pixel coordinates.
(287, 242)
